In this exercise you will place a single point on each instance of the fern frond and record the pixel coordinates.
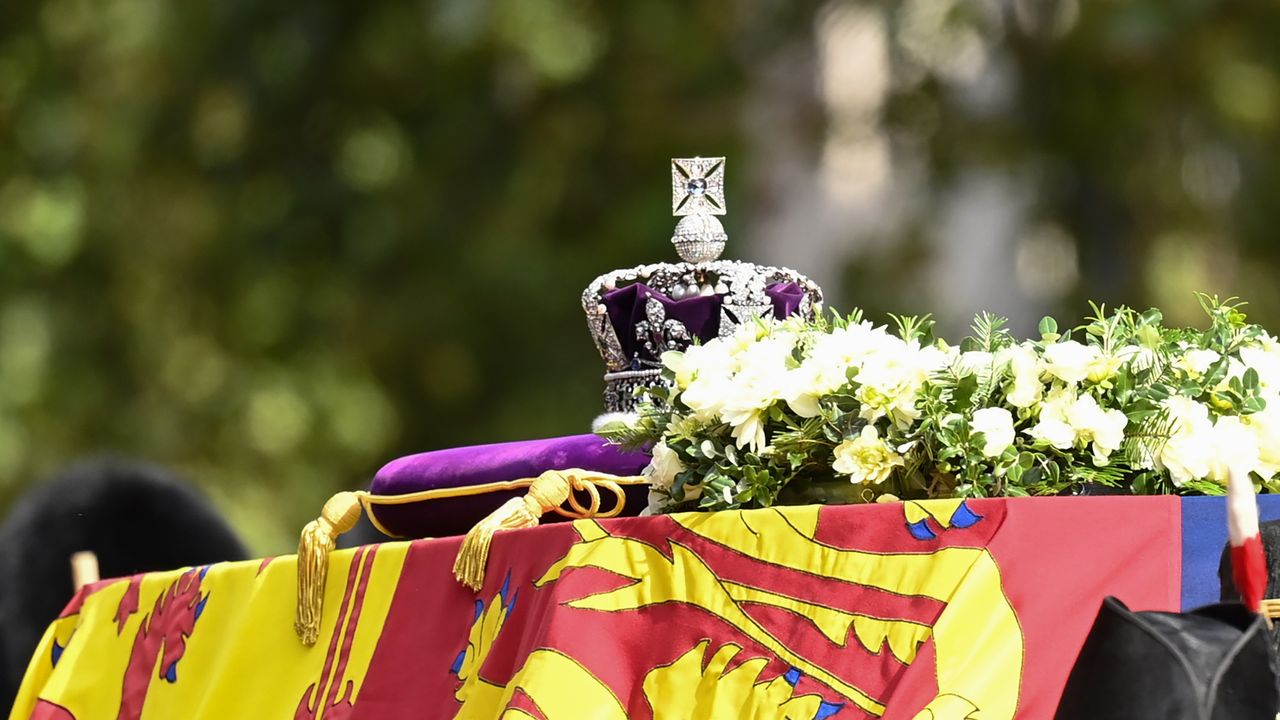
(1112, 475)
(1145, 444)
(913, 327)
(989, 332)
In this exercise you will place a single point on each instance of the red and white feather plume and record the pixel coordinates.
(1248, 560)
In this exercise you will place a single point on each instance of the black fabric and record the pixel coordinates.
(1213, 663)
(1270, 531)
(136, 517)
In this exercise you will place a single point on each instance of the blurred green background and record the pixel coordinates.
(276, 244)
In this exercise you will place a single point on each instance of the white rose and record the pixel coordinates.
(1055, 432)
(843, 347)
(663, 467)
(1069, 361)
(929, 359)
(996, 426)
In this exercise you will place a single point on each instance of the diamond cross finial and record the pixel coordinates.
(697, 186)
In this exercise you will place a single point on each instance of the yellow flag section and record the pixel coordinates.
(212, 642)
(977, 640)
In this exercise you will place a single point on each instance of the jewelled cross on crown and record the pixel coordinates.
(697, 186)
(697, 196)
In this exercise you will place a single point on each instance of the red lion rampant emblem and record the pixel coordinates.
(162, 635)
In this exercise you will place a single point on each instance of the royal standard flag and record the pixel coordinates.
(935, 609)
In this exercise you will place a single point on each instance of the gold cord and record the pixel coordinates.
(319, 537)
(547, 492)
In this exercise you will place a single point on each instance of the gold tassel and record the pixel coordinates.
(547, 492)
(319, 537)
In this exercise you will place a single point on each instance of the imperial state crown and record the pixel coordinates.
(639, 313)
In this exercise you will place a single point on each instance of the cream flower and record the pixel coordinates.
(706, 396)
(1103, 367)
(866, 459)
(1234, 446)
(978, 362)
(748, 426)
(658, 503)
(1024, 366)
(1103, 428)
(711, 359)
(805, 386)
(826, 367)
(1187, 453)
(1196, 362)
(996, 426)
(663, 467)
(762, 381)
(682, 365)
(1264, 359)
(1069, 421)
(1069, 361)
(1054, 426)
(891, 378)
(1266, 430)
(846, 347)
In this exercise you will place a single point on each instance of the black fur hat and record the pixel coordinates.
(134, 516)
(1213, 663)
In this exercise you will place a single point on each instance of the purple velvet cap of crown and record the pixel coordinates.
(786, 298)
(699, 314)
(626, 307)
(499, 462)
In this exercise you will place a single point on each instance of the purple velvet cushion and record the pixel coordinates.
(499, 462)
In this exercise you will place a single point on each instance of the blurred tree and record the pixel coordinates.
(1135, 141)
(277, 244)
